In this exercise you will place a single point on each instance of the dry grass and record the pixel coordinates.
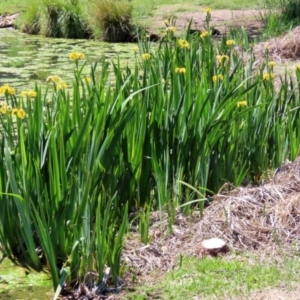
(260, 217)
(264, 218)
(281, 49)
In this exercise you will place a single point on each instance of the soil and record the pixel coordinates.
(8, 20)
(221, 20)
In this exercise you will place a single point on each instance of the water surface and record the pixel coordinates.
(17, 284)
(26, 59)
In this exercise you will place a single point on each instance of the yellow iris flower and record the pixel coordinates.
(76, 55)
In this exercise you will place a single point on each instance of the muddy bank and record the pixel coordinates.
(8, 20)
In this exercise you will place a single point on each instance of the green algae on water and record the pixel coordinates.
(17, 284)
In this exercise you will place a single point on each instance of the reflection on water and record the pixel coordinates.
(26, 59)
(7, 76)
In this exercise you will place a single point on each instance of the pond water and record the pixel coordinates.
(28, 59)
(16, 284)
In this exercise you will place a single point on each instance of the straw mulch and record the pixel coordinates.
(265, 217)
(282, 48)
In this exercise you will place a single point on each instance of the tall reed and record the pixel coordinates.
(111, 20)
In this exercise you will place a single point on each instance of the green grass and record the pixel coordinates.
(218, 278)
(280, 16)
(216, 4)
(233, 4)
(12, 6)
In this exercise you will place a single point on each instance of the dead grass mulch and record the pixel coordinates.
(281, 49)
(265, 217)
